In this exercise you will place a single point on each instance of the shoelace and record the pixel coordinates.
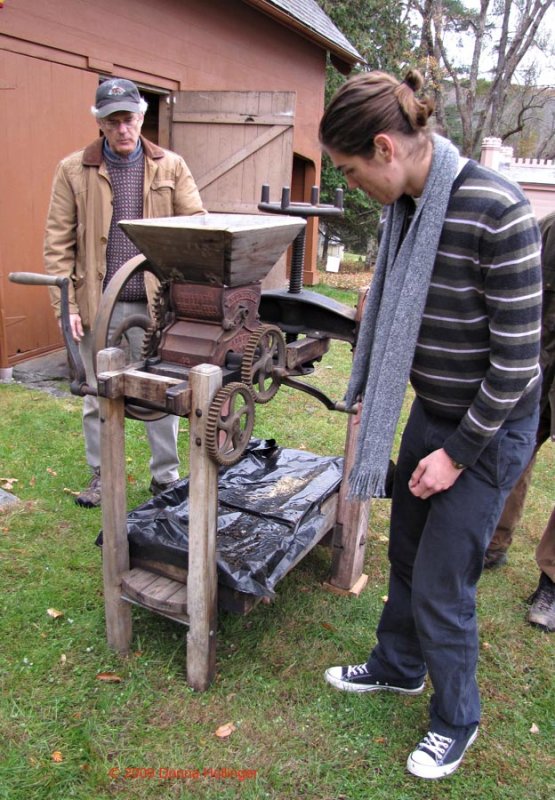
(356, 670)
(436, 744)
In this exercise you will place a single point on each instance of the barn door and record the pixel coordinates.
(233, 142)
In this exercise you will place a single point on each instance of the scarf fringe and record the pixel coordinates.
(366, 484)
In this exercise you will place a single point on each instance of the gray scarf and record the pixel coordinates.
(391, 320)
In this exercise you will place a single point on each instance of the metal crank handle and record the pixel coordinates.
(36, 279)
(78, 384)
(342, 406)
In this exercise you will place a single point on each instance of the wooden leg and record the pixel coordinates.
(115, 548)
(349, 536)
(350, 533)
(202, 580)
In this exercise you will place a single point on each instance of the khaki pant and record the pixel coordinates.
(161, 434)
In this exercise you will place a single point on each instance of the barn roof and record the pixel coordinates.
(307, 18)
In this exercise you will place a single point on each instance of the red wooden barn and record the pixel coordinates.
(235, 86)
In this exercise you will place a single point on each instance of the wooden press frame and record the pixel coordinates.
(348, 535)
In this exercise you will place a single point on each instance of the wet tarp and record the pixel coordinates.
(268, 508)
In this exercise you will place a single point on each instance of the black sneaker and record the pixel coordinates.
(437, 756)
(542, 609)
(156, 488)
(358, 679)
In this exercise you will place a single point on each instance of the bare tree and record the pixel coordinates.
(511, 26)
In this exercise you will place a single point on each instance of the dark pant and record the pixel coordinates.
(514, 505)
(436, 553)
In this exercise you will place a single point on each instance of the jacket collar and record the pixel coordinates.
(92, 155)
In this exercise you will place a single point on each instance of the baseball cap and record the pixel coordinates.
(117, 94)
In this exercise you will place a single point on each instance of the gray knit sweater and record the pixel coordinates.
(476, 358)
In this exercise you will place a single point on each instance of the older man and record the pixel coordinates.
(121, 175)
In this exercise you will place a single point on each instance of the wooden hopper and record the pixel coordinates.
(214, 249)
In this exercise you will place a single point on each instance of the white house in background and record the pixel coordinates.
(535, 176)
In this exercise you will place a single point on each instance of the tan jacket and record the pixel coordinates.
(80, 215)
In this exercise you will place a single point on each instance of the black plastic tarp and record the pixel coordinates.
(268, 509)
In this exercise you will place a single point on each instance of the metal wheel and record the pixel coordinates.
(102, 337)
(264, 352)
(230, 423)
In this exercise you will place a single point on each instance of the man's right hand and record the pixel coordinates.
(76, 327)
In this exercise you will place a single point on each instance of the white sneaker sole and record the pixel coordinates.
(430, 772)
(346, 686)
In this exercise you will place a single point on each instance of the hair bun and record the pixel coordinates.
(414, 80)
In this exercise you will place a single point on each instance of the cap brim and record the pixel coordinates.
(111, 108)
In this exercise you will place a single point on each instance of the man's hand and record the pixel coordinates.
(435, 473)
(76, 327)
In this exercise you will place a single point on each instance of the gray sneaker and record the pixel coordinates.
(91, 497)
(542, 610)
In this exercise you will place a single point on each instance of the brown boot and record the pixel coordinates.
(494, 559)
(91, 497)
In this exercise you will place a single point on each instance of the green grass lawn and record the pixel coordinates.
(67, 734)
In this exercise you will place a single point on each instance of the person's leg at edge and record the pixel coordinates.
(542, 608)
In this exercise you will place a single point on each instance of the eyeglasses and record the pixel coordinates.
(115, 124)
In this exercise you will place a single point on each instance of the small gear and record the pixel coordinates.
(229, 424)
(265, 351)
(159, 312)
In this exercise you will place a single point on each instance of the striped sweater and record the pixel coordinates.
(476, 359)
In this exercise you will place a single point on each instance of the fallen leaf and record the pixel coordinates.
(63, 659)
(51, 471)
(70, 491)
(328, 626)
(57, 757)
(54, 613)
(486, 645)
(225, 730)
(8, 483)
(385, 598)
(534, 728)
(108, 677)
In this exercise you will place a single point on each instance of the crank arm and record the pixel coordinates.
(78, 384)
(293, 383)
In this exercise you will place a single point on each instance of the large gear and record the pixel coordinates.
(229, 424)
(102, 325)
(265, 351)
